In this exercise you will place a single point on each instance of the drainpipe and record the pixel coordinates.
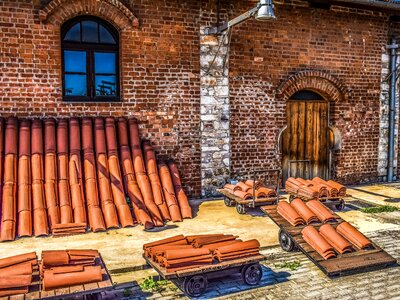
(393, 47)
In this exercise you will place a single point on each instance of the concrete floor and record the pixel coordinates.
(122, 248)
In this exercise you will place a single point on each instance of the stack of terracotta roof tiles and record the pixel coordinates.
(328, 241)
(16, 274)
(65, 268)
(64, 176)
(300, 213)
(249, 189)
(315, 188)
(179, 252)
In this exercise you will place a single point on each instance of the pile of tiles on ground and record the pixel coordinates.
(180, 252)
(328, 240)
(65, 268)
(74, 172)
(300, 213)
(249, 189)
(315, 188)
(16, 274)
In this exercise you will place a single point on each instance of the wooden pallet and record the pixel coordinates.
(203, 269)
(343, 264)
(35, 291)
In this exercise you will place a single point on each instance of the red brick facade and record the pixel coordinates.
(345, 45)
(340, 49)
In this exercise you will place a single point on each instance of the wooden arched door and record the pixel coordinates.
(305, 141)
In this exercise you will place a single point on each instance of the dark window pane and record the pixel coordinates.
(104, 62)
(75, 85)
(89, 32)
(105, 85)
(105, 36)
(74, 33)
(75, 61)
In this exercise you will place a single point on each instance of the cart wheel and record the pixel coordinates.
(291, 198)
(341, 205)
(241, 209)
(286, 241)
(195, 286)
(228, 202)
(251, 274)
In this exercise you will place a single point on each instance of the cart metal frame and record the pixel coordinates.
(194, 281)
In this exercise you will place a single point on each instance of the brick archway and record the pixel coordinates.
(58, 11)
(321, 82)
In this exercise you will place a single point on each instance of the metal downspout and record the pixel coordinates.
(393, 48)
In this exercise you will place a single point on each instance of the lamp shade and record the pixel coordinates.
(266, 11)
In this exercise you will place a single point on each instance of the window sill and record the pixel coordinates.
(89, 101)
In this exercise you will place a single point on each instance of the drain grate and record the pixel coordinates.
(359, 204)
(393, 200)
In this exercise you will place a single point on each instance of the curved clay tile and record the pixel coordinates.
(169, 192)
(304, 211)
(258, 184)
(54, 280)
(243, 195)
(333, 192)
(289, 214)
(186, 210)
(264, 192)
(340, 188)
(292, 185)
(96, 220)
(75, 172)
(117, 188)
(351, 234)
(165, 241)
(335, 239)
(17, 259)
(241, 186)
(50, 172)
(24, 180)
(321, 211)
(9, 212)
(64, 194)
(152, 172)
(178, 253)
(229, 187)
(139, 208)
(103, 176)
(317, 242)
(40, 223)
(140, 172)
(15, 281)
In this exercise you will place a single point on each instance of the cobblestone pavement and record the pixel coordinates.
(306, 282)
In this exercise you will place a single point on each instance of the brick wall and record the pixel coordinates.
(159, 68)
(344, 43)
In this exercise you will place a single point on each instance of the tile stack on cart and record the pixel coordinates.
(328, 191)
(59, 272)
(65, 176)
(249, 193)
(17, 274)
(190, 261)
(333, 245)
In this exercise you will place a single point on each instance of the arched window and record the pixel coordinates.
(90, 60)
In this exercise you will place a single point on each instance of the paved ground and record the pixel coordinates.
(306, 282)
(122, 250)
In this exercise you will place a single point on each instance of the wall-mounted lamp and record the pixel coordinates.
(264, 11)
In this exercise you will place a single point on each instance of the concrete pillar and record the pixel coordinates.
(215, 114)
